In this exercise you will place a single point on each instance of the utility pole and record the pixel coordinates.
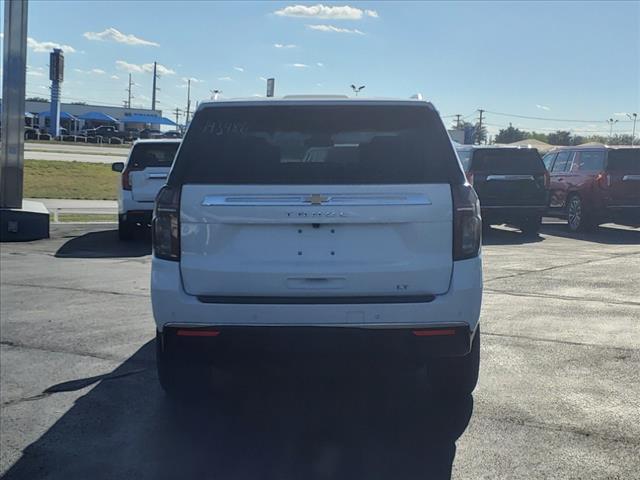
(458, 121)
(186, 118)
(128, 102)
(611, 123)
(479, 131)
(153, 93)
(178, 111)
(634, 117)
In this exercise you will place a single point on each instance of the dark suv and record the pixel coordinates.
(512, 184)
(594, 184)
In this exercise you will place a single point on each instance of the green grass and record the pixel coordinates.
(86, 217)
(81, 180)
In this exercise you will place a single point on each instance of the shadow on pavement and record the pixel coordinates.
(507, 236)
(105, 244)
(607, 235)
(268, 428)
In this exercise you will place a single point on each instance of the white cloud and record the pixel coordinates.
(284, 45)
(257, 95)
(144, 68)
(117, 36)
(35, 72)
(262, 78)
(543, 107)
(95, 71)
(239, 69)
(225, 79)
(332, 28)
(193, 80)
(621, 114)
(344, 12)
(298, 65)
(320, 64)
(46, 47)
(319, 85)
(115, 77)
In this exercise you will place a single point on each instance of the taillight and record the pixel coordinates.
(166, 224)
(126, 176)
(467, 223)
(469, 176)
(603, 179)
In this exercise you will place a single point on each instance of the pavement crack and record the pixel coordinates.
(553, 340)
(566, 265)
(13, 344)
(76, 289)
(560, 297)
(568, 429)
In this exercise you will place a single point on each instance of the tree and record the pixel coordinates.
(481, 133)
(78, 103)
(36, 99)
(543, 137)
(560, 137)
(510, 135)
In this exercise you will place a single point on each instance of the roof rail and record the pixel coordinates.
(302, 97)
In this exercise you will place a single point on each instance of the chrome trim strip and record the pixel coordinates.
(623, 206)
(630, 177)
(157, 175)
(509, 177)
(483, 207)
(309, 200)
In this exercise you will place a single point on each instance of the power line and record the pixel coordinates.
(545, 118)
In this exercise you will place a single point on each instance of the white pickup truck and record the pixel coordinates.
(142, 176)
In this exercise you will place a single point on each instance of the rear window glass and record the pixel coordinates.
(508, 161)
(589, 161)
(319, 144)
(153, 154)
(465, 158)
(624, 160)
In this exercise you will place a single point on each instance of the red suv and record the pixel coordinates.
(594, 184)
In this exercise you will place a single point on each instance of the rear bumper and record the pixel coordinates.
(624, 214)
(233, 346)
(459, 307)
(510, 212)
(138, 216)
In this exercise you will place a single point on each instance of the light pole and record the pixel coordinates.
(634, 117)
(611, 123)
(215, 93)
(355, 89)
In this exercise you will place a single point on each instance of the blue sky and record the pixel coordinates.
(573, 60)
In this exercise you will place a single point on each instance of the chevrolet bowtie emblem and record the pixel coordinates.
(316, 199)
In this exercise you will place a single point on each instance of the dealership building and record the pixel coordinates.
(75, 117)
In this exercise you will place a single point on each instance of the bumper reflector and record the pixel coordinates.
(198, 333)
(434, 332)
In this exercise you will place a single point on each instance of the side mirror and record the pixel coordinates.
(117, 166)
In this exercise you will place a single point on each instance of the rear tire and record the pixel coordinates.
(457, 376)
(531, 226)
(180, 380)
(578, 218)
(125, 229)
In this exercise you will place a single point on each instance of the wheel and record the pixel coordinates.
(180, 380)
(531, 226)
(125, 229)
(457, 376)
(578, 217)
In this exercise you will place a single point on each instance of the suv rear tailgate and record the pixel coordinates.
(623, 168)
(509, 177)
(272, 241)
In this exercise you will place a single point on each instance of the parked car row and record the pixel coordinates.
(588, 185)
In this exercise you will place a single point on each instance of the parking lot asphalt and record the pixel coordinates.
(558, 397)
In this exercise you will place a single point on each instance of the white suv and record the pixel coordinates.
(143, 174)
(335, 228)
